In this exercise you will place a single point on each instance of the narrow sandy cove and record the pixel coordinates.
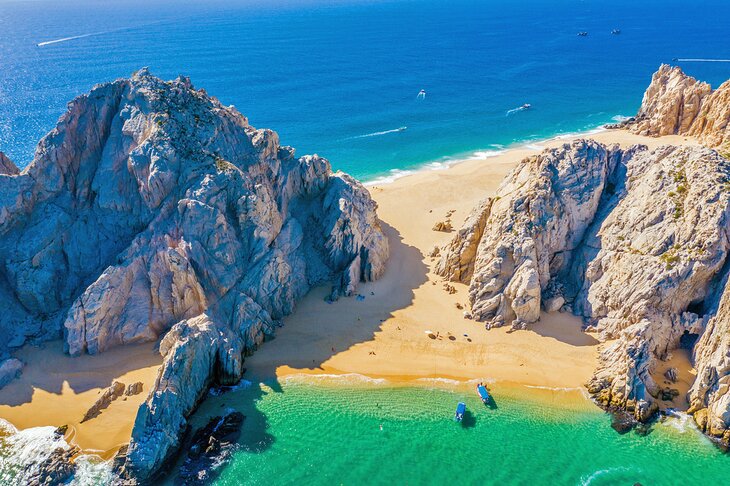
(383, 335)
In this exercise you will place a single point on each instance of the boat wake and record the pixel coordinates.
(93, 34)
(377, 134)
(703, 60)
(524, 107)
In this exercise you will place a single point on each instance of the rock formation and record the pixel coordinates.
(710, 393)
(152, 209)
(209, 449)
(114, 391)
(7, 167)
(631, 240)
(10, 369)
(677, 104)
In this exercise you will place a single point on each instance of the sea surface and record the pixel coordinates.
(341, 78)
(327, 430)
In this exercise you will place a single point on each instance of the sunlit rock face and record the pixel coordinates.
(634, 241)
(150, 207)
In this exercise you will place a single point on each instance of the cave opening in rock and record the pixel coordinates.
(697, 307)
(688, 340)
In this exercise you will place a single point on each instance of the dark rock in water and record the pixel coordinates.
(211, 447)
(622, 422)
(61, 431)
(57, 469)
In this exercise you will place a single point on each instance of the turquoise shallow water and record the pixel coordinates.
(325, 432)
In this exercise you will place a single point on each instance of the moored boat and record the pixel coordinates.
(460, 410)
(483, 393)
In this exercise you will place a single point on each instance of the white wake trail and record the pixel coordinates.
(377, 134)
(703, 60)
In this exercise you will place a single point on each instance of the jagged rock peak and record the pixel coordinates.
(152, 209)
(678, 104)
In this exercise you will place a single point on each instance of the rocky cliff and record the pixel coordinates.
(677, 104)
(152, 209)
(633, 241)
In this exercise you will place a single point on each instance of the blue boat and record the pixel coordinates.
(483, 393)
(460, 410)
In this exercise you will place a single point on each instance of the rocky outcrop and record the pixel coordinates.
(710, 394)
(152, 209)
(209, 449)
(134, 389)
(7, 167)
(114, 391)
(59, 468)
(512, 246)
(631, 240)
(677, 104)
(10, 369)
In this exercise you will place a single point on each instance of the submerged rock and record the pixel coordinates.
(57, 469)
(210, 448)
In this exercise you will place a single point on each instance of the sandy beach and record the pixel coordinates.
(386, 334)
(382, 333)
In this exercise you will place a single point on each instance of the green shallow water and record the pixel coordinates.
(325, 432)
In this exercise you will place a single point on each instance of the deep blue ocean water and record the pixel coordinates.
(325, 74)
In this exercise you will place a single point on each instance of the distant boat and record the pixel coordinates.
(526, 106)
(460, 410)
(483, 393)
(616, 31)
(582, 34)
(421, 95)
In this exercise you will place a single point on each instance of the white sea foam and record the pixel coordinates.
(586, 480)
(220, 390)
(328, 377)
(495, 151)
(440, 381)
(23, 451)
(620, 118)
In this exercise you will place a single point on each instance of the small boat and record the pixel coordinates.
(483, 393)
(616, 31)
(582, 34)
(526, 106)
(460, 410)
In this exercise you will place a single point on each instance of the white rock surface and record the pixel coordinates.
(513, 245)
(710, 394)
(675, 103)
(151, 205)
(631, 241)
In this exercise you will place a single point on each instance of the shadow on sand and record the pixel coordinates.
(327, 329)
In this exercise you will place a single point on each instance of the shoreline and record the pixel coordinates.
(381, 334)
(448, 161)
